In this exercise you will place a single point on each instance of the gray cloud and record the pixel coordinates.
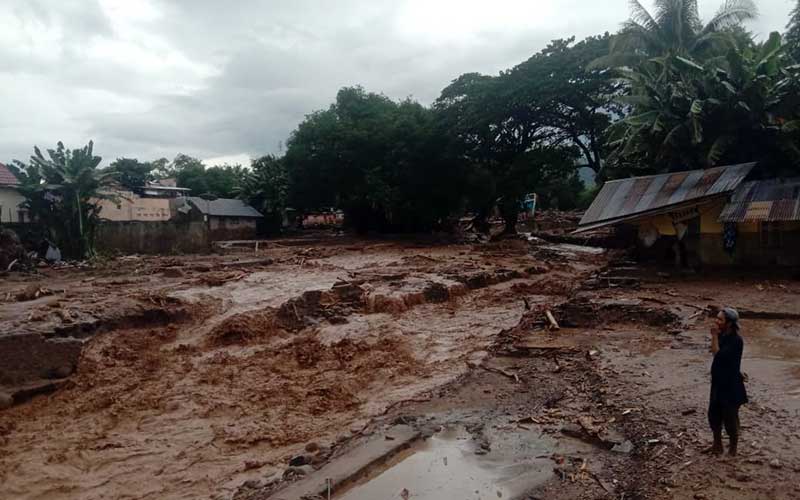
(210, 79)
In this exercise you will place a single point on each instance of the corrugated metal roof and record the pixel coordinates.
(768, 200)
(628, 198)
(6, 177)
(224, 207)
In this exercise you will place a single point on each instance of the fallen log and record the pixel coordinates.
(552, 320)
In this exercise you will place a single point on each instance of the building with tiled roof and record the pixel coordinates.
(11, 200)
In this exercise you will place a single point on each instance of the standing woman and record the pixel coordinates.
(727, 383)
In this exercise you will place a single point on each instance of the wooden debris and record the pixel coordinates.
(552, 320)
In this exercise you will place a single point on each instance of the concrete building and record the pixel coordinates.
(711, 216)
(227, 219)
(129, 206)
(11, 211)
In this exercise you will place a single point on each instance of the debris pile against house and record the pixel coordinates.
(11, 250)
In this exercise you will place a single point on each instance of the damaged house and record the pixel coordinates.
(225, 218)
(713, 217)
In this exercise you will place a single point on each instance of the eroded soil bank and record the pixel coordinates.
(271, 366)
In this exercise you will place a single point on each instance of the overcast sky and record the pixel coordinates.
(225, 81)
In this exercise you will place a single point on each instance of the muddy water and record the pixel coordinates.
(158, 414)
(446, 467)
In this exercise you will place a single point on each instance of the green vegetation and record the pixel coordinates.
(266, 188)
(388, 165)
(61, 190)
(668, 92)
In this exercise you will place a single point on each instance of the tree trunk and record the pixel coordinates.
(81, 240)
(481, 222)
(511, 223)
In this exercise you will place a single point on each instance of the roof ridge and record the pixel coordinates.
(651, 176)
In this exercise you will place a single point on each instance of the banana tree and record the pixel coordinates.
(62, 190)
(738, 107)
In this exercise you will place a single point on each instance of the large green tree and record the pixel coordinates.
(220, 180)
(565, 92)
(526, 129)
(385, 163)
(132, 173)
(266, 188)
(61, 192)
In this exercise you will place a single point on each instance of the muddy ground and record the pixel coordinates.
(203, 377)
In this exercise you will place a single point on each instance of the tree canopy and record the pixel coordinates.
(385, 163)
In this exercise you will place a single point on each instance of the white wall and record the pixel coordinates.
(10, 200)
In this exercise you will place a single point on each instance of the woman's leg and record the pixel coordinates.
(715, 422)
(731, 419)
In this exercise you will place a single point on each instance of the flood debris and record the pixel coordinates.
(263, 380)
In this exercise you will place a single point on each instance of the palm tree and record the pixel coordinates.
(674, 29)
(737, 108)
(62, 189)
(793, 32)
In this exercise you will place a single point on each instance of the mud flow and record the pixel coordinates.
(517, 369)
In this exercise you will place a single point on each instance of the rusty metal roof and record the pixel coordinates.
(626, 199)
(768, 200)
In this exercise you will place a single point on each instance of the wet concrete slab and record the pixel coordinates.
(378, 448)
(441, 467)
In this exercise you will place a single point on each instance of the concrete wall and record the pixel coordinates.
(131, 207)
(233, 228)
(10, 200)
(152, 237)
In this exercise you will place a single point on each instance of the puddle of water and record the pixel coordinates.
(443, 467)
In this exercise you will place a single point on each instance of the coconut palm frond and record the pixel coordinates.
(731, 13)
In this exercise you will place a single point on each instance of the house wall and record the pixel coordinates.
(131, 207)
(164, 237)
(707, 247)
(232, 228)
(750, 250)
(10, 201)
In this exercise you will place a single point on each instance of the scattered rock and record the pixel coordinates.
(252, 484)
(312, 447)
(775, 464)
(573, 430)
(623, 447)
(292, 472)
(33, 292)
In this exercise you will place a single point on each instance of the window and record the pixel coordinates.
(771, 235)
